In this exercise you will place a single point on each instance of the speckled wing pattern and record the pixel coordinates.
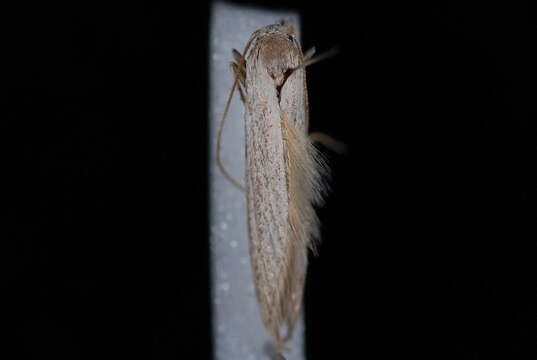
(284, 173)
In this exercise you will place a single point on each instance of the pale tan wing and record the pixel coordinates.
(283, 178)
(267, 199)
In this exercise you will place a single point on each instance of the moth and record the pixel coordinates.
(285, 174)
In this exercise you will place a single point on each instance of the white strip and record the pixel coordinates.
(238, 333)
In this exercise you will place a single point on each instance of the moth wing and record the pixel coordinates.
(284, 180)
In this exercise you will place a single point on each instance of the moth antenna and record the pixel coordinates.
(219, 137)
(329, 142)
(230, 178)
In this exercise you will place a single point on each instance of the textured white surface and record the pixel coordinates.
(238, 332)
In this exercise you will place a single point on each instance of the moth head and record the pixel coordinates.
(280, 56)
(286, 26)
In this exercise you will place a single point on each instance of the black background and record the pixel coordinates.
(427, 233)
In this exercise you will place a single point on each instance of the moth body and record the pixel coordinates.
(284, 173)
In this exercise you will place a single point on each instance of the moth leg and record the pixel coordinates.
(237, 56)
(310, 59)
(329, 142)
(240, 78)
(239, 70)
(309, 53)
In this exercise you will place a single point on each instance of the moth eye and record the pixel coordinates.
(290, 37)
